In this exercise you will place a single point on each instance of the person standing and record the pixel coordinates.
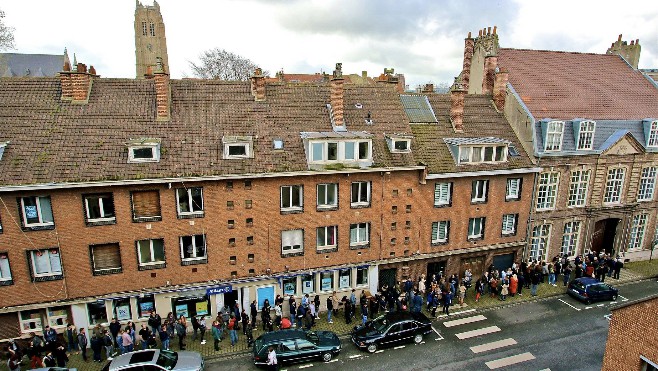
(97, 347)
(82, 342)
(566, 272)
(119, 341)
(271, 359)
(127, 340)
(535, 279)
(155, 322)
(478, 290)
(72, 337)
(618, 266)
(14, 363)
(164, 337)
(181, 328)
(245, 321)
(144, 333)
(254, 313)
(447, 302)
(513, 284)
(195, 328)
(216, 334)
(316, 300)
(61, 357)
(504, 290)
(49, 360)
(232, 332)
(202, 329)
(50, 336)
(330, 309)
(108, 342)
(278, 314)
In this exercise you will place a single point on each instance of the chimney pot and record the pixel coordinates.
(457, 94)
(469, 34)
(92, 70)
(258, 85)
(494, 29)
(489, 30)
(500, 88)
(619, 38)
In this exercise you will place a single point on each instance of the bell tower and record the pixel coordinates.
(150, 40)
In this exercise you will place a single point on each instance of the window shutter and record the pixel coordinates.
(482, 229)
(486, 190)
(107, 256)
(474, 189)
(435, 231)
(450, 194)
(447, 230)
(520, 184)
(146, 204)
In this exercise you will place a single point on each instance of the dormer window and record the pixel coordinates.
(477, 154)
(586, 135)
(653, 134)
(145, 150)
(554, 130)
(340, 151)
(238, 147)
(399, 143)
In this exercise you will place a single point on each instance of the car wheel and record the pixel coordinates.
(614, 297)
(372, 348)
(418, 338)
(326, 356)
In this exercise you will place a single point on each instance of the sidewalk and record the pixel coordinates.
(631, 272)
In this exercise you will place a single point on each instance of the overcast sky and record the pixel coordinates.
(421, 38)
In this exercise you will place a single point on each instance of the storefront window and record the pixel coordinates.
(290, 286)
(362, 276)
(327, 281)
(308, 285)
(31, 320)
(344, 278)
(191, 306)
(145, 305)
(97, 312)
(122, 309)
(57, 316)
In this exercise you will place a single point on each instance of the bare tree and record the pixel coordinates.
(223, 65)
(6, 34)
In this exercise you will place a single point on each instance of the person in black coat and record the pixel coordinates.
(61, 357)
(97, 347)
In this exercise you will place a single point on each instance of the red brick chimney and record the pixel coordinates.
(500, 88)
(457, 94)
(630, 52)
(428, 88)
(469, 44)
(76, 84)
(487, 43)
(162, 91)
(337, 96)
(258, 85)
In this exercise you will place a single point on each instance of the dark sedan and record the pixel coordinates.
(391, 329)
(589, 290)
(293, 346)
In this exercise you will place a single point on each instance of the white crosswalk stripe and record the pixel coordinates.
(493, 345)
(508, 361)
(464, 321)
(478, 332)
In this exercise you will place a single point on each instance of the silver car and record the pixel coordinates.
(156, 360)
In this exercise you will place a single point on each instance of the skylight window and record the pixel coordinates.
(144, 150)
(236, 147)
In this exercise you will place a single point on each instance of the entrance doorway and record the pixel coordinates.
(435, 268)
(603, 238)
(476, 265)
(230, 298)
(387, 277)
(502, 262)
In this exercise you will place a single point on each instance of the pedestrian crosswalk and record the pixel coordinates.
(483, 348)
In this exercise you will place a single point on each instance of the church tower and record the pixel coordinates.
(150, 40)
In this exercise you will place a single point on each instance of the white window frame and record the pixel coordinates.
(508, 227)
(614, 185)
(636, 237)
(329, 231)
(50, 254)
(5, 267)
(570, 238)
(291, 189)
(513, 188)
(442, 194)
(194, 208)
(229, 156)
(407, 145)
(476, 228)
(194, 248)
(547, 188)
(341, 151)
(539, 242)
(41, 222)
(153, 146)
(586, 135)
(103, 198)
(38, 321)
(647, 183)
(440, 231)
(653, 134)
(356, 278)
(554, 132)
(355, 231)
(152, 260)
(475, 154)
(578, 188)
(479, 193)
(358, 202)
(292, 241)
(322, 204)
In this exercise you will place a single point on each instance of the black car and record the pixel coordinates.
(390, 329)
(293, 346)
(589, 289)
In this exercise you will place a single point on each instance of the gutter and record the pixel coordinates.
(464, 174)
(137, 182)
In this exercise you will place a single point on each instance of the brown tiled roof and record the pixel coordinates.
(565, 85)
(55, 141)
(480, 120)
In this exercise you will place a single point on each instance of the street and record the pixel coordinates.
(559, 333)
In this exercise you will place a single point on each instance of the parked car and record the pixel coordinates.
(390, 329)
(589, 290)
(296, 345)
(156, 359)
(54, 369)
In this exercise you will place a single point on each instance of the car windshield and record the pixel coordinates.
(578, 285)
(167, 359)
(379, 324)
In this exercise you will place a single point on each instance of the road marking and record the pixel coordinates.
(588, 307)
(600, 305)
(456, 313)
(478, 332)
(578, 309)
(493, 345)
(333, 360)
(400, 347)
(305, 366)
(623, 298)
(508, 361)
(356, 356)
(608, 316)
(463, 321)
(546, 369)
(440, 336)
(379, 351)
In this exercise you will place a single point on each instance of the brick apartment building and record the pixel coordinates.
(632, 338)
(590, 121)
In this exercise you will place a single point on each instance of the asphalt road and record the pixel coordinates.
(559, 333)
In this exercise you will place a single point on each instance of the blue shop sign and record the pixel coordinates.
(219, 290)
